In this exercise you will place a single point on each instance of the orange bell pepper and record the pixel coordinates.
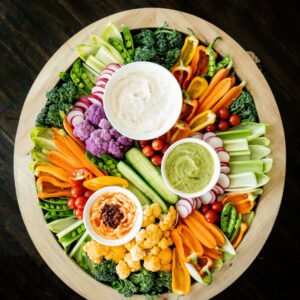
(240, 234)
(181, 130)
(189, 107)
(243, 202)
(183, 74)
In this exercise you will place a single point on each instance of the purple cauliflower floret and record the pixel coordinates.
(104, 124)
(114, 133)
(125, 141)
(83, 130)
(115, 149)
(105, 135)
(94, 114)
(95, 143)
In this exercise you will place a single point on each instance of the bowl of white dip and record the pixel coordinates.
(142, 100)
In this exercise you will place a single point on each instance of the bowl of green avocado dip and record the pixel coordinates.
(190, 167)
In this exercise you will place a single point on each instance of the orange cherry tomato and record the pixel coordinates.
(157, 144)
(156, 160)
(148, 151)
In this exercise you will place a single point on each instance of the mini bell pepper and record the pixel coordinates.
(49, 187)
(197, 87)
(82, 173)
(238, 238)
(243, 202)
(47, 169)
(188, 49)
(189, 107)
(201, 120)
(100, 182)
(183, 74)
(180, 131)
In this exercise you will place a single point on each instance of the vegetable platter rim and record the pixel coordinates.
(266, 212)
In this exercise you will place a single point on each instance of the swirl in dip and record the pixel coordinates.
(113, 215)
(189, 168)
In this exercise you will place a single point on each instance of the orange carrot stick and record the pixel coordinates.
(68, 128)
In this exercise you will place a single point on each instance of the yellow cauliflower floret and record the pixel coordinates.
(137, 253)
(163, 243)
(123, 269)
(154, 251)
(95, 251)
(152, 263)
(148, 211)
(166, 267)
(168, 220)
(129, 245)
(116, 253)
(154, 235)
(147, 220)
(165, 256)
(141, 236)
(133, 264)
(167, 233)
(156, 210)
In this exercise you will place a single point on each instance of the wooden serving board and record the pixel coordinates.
(244, 67)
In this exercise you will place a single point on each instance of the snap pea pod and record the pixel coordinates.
(55, 215)
(121, 49)
(236, 228)
(64, 76)
(53, 207)
(111, 164)
(225, 216)
(232, 221)
(223, 63)
(56, 200)
(94, 160)
(85, 78)
(73, 235)
(128, 40)
(76, 77)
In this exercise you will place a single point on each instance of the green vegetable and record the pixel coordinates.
(257, 129)
(142, 198)
(95, 64)
(133, 177)
(53, 207)
(228, 250)
(64, 76)
(111, 31)
(248, 218)
(223, 63)
(239, 155)
(262, 140)
(236, 145)
(218, 265)
(60, 200)
(92, 74)
(76, 77)
(233, 134)
(211, 58)
(69, 233)
(236, 228)
(57, 226)
(38, 156)
(205, 280)
(128, 41)
(246, 166)
(125, 287)
(150, 174)
(121, 49)
(106, 271)
(144, 280)
(267, 164)
(111, 164)
(55, 215)
(232, 221)
(84, 51)
(258, 151)
(247, 179)
(85, 78)
(244, 107)
(225, 216)
(163, 283)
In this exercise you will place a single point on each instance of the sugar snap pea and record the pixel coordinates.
(121, 49)
(85, 78)
(56, 200)
(55, 215)
(128, 40)
(236, 228)
(53, 207)
(225, 216)
(71, 233)
(76, 77)
(232, 221)
(64, 76)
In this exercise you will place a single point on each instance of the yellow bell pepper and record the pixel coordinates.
(99, 182)
(197, 87)
(188, 49)
(201, 120)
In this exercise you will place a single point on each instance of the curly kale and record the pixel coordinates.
(41, 118)
(146, 54)
(144, 280)
(163, 282)
(106, 271)
(145, 38)
(66, 93)
(171, 58)
(244, 107)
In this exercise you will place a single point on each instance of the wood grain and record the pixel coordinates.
(246, 70)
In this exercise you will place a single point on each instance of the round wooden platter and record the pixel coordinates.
(244, 67)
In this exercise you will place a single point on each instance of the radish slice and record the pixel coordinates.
(197, 135)
(187, 203)
(215, 190)
(208, 197)
(214, 197)
(79, 108)
(225, 169)
(114, 66)
(223, 155)
(95, 99)
(82, 105)
(215, 142)
(182, 210)
(220, 189)
(101, 85)
(85, 101)
(224, 164)
(194, 203)
(207, 135)
(76, 120)
(224, 181)
(199, 203)
(74, 112)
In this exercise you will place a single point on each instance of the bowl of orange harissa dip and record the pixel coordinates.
(113, 216)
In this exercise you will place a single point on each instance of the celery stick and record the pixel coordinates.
(258, 151)
(243, 180)
(261, 179)
(246, 166)
(236, 145)
(262, 140)
(233, 134)
(268, 163)
(257, 129)
(239, 155)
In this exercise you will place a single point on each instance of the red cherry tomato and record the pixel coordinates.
(157, 144)
(79, 213)
(163, 137)
(71, 203)
(75, 182)
(80, 202)
(165, 148)
(77, 191)
(205, 208)
(148, 151)
(211, 128)
(88, 193)
(223, 125)
(223, 113)
(156, 160)
(234, 120)
(143, 143)
(210, 216)
(217, 206)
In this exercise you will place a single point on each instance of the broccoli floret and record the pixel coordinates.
(41, 118)
(68, 92)
(125, 287)
(144, 279)
(145, 38)
(56, 113)
(106, 271)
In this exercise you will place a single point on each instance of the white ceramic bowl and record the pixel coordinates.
(134, 87)
(216, 161)
(137, 226)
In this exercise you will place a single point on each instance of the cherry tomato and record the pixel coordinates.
(77, 191)
(223, 125)
(165, 148)
(88, 193)
(162, 137)
(234, 120)
(211, 128)
(79, 213)
(157, 144)
(148, 151)
(217, 206)
(143, 143)
(205, 208)
(210, 216)
(80, 202)
(156, 160)
(223, 113)
(71, 203)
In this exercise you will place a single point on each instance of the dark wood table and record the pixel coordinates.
(31, 31)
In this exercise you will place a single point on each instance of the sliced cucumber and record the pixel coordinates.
(61, 224)
(236, 145)
(128, 173)
(233, 134)
(258, 151)
(246, 166)
(142, 198)
(150, 174)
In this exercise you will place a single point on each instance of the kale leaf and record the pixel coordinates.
(144, 279)
(106, 271)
